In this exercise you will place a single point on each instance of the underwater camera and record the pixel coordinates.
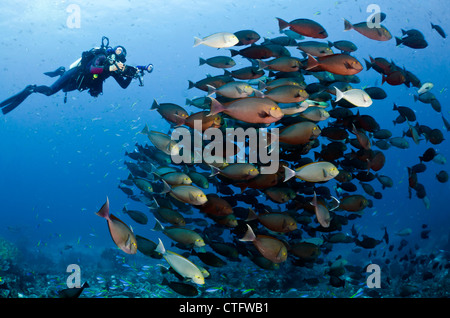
(137, 72)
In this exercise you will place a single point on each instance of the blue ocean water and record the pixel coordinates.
(61, 160)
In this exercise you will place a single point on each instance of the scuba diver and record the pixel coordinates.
(87, 73)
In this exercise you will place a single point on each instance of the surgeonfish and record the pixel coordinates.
(181, 265)
(217, 40)
(121, 234)
(313, 172)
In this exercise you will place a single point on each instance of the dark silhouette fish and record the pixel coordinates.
(72, 292)
(439, 30)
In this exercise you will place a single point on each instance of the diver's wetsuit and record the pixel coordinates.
(92, 77)
(88, 75)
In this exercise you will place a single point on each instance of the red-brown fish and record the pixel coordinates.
(281, 64)
(246, 37)
(121, 234)
(379, 33)
(253, 110)
(341, 64)
(394, 78)
(206, 121)
(256, 52)
(315, 48)
(173, 113)
(287, 94)
(271, 248)
(216, 206)
(277, 222)
(353, 203)
(304, 27)
(299, 133)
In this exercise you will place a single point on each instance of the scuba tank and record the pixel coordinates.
(75, 64)
(87, 55)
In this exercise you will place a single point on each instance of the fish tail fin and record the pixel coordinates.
(249, 235)
(311, 63)
(273, 138)
(155, 105)
(154, 204)
(432, 25)
(282, 24)
(104, 210)
(261, 85)
(368, 64)
(261, 65)
(211, 90)
(395, 106)
(214, 171)
(165, 282)
(314, 200)
(197, 41)
(251, 215)
(317, 155)
(158, 226)
(416, 98)
(191, 84)
(166, 188)
(398, 41)
(354, 130)
(201, 61)
(258, 93)
(337, 203)
(383, 79)
(234, 52)
(339, 94)
(160, 247)
(145, 130)
(216, 107)
(288, 173)
(347, 25)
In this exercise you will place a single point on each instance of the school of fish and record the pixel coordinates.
(216, 212)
